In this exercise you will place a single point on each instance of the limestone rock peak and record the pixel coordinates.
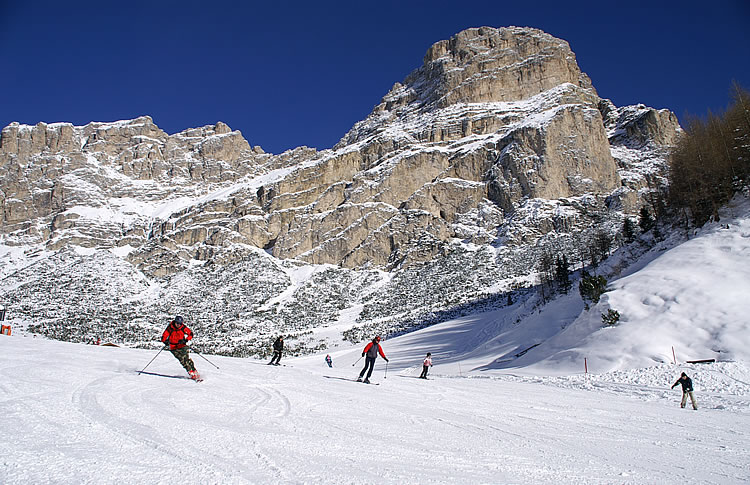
(494, 121)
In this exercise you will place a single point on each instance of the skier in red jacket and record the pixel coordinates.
(371, 351)
(176, 336)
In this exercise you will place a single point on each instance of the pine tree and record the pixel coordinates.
(611, 317)
(603, 243)
(562, 273)
(628, 230)
(591, 287)
(546, 273)
(645, 221)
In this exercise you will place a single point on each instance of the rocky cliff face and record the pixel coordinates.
(492, 121)
(63, 184)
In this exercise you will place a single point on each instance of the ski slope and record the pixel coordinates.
(507, 401)
(82, 414)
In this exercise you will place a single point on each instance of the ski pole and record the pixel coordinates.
(157, 355)
(357, 361)
(386, 370)
(204, 357)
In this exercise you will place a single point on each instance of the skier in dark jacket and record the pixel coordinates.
(371, 353)
(176, 336)
(278, 348)
(687, 390)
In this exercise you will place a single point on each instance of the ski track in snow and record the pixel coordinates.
(82, 414)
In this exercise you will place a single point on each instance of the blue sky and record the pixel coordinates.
(291, 73)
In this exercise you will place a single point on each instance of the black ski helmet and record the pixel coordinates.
(178, 320)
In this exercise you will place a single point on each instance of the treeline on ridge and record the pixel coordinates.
(711, 161)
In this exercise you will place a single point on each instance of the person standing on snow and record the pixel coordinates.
(329, 361)
(176, 336)
(371, 351)
(687, 390)
(426, 365)
(278, 348)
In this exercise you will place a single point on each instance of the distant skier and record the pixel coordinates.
(687, 390)
(329, 361)
(371, 352)
(176, 336)
(278, 349)
(426, 365)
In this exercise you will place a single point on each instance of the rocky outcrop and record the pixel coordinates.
(492, 121)
(481, 65)
(640, 138)
(50, 173)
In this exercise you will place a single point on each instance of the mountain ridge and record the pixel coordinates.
(449, 167)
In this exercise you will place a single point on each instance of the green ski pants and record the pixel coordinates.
(184, 358)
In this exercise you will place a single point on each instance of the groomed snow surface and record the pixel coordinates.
(82, 414)
(507, 401)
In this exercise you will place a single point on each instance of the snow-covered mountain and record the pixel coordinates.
(75, 413)
(436, 210)
(442, 202)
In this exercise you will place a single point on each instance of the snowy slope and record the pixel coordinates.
(692, 298)
(82, 414)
